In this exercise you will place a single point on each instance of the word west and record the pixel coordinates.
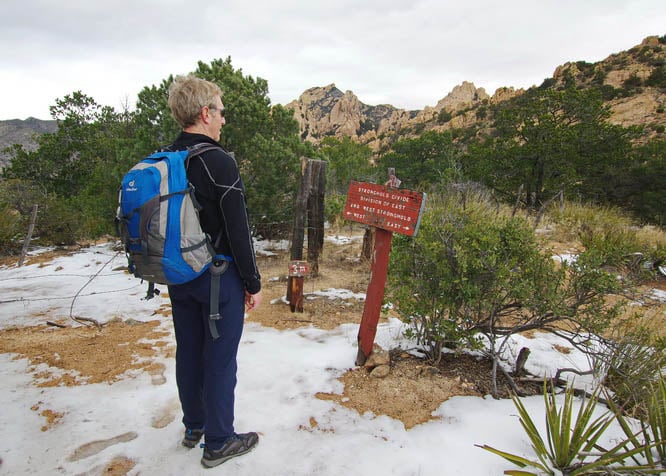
(389, 209)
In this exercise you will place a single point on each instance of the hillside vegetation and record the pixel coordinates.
(593, 133)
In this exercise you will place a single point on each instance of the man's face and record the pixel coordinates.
(216, 117)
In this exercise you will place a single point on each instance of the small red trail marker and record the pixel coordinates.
(297, 271)
(390, 211)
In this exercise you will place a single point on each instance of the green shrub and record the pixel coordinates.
(437, 265)
(366, 125)
(475, 270)
(11, 228)
(17, 198)
(334, 204)
(632, 82)
(21, 195)
(608, 92)
(444, 116)
(547, 83)
(59, 223)
(657, 78)
(96, 213)
(482, 112)
(646, 54)
(599, 76)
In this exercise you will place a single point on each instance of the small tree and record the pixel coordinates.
(549, 141)
(476, 274)
(424, 162)
(347, 160)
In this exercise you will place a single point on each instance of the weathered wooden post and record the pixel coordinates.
(309, 208)
(389, 210)
(28, 237)
(316, 214)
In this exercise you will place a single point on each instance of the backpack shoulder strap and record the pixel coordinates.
(202, 147)
(192, 150)
(166, 148)
(198, 149)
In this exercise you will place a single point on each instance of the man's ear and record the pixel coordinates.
(204, 115)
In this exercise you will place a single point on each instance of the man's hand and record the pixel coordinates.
(252, 301)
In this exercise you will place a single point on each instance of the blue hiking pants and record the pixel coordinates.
(206, 368)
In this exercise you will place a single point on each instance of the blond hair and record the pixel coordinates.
(187, 95)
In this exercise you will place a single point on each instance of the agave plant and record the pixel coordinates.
(569, 443)
(651, 438)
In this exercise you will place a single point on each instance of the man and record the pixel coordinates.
(206, 366)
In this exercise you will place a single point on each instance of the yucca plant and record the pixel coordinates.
(631, 367)
(651, 438)
(657, 422)
(569, 443)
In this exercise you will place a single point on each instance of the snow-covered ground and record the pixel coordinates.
(279, 374)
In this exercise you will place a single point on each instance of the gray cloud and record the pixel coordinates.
(410, 54)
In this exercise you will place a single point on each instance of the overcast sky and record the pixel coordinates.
(408, 53)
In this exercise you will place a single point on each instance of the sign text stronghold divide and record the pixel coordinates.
(383, 207)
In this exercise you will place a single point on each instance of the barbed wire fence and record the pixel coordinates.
(278, 230)
(87, 321)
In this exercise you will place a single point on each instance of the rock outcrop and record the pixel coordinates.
(327, 111)
(627, 80)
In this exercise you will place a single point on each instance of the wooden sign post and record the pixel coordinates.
(390, 211)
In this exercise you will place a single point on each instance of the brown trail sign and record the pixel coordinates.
(389, 210)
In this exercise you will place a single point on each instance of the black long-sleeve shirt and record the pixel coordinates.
(220, 191)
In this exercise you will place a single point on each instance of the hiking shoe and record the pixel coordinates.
(235, 446)
(192, 437)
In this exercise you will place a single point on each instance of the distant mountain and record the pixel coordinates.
(632, 83)
(17, 131)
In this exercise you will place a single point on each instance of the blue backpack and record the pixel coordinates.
(158, 222)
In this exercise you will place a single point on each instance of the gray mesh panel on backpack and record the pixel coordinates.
(193, 244)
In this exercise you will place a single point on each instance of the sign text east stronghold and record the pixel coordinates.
(384, 207)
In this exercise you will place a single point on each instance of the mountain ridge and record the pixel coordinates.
(624, 79)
